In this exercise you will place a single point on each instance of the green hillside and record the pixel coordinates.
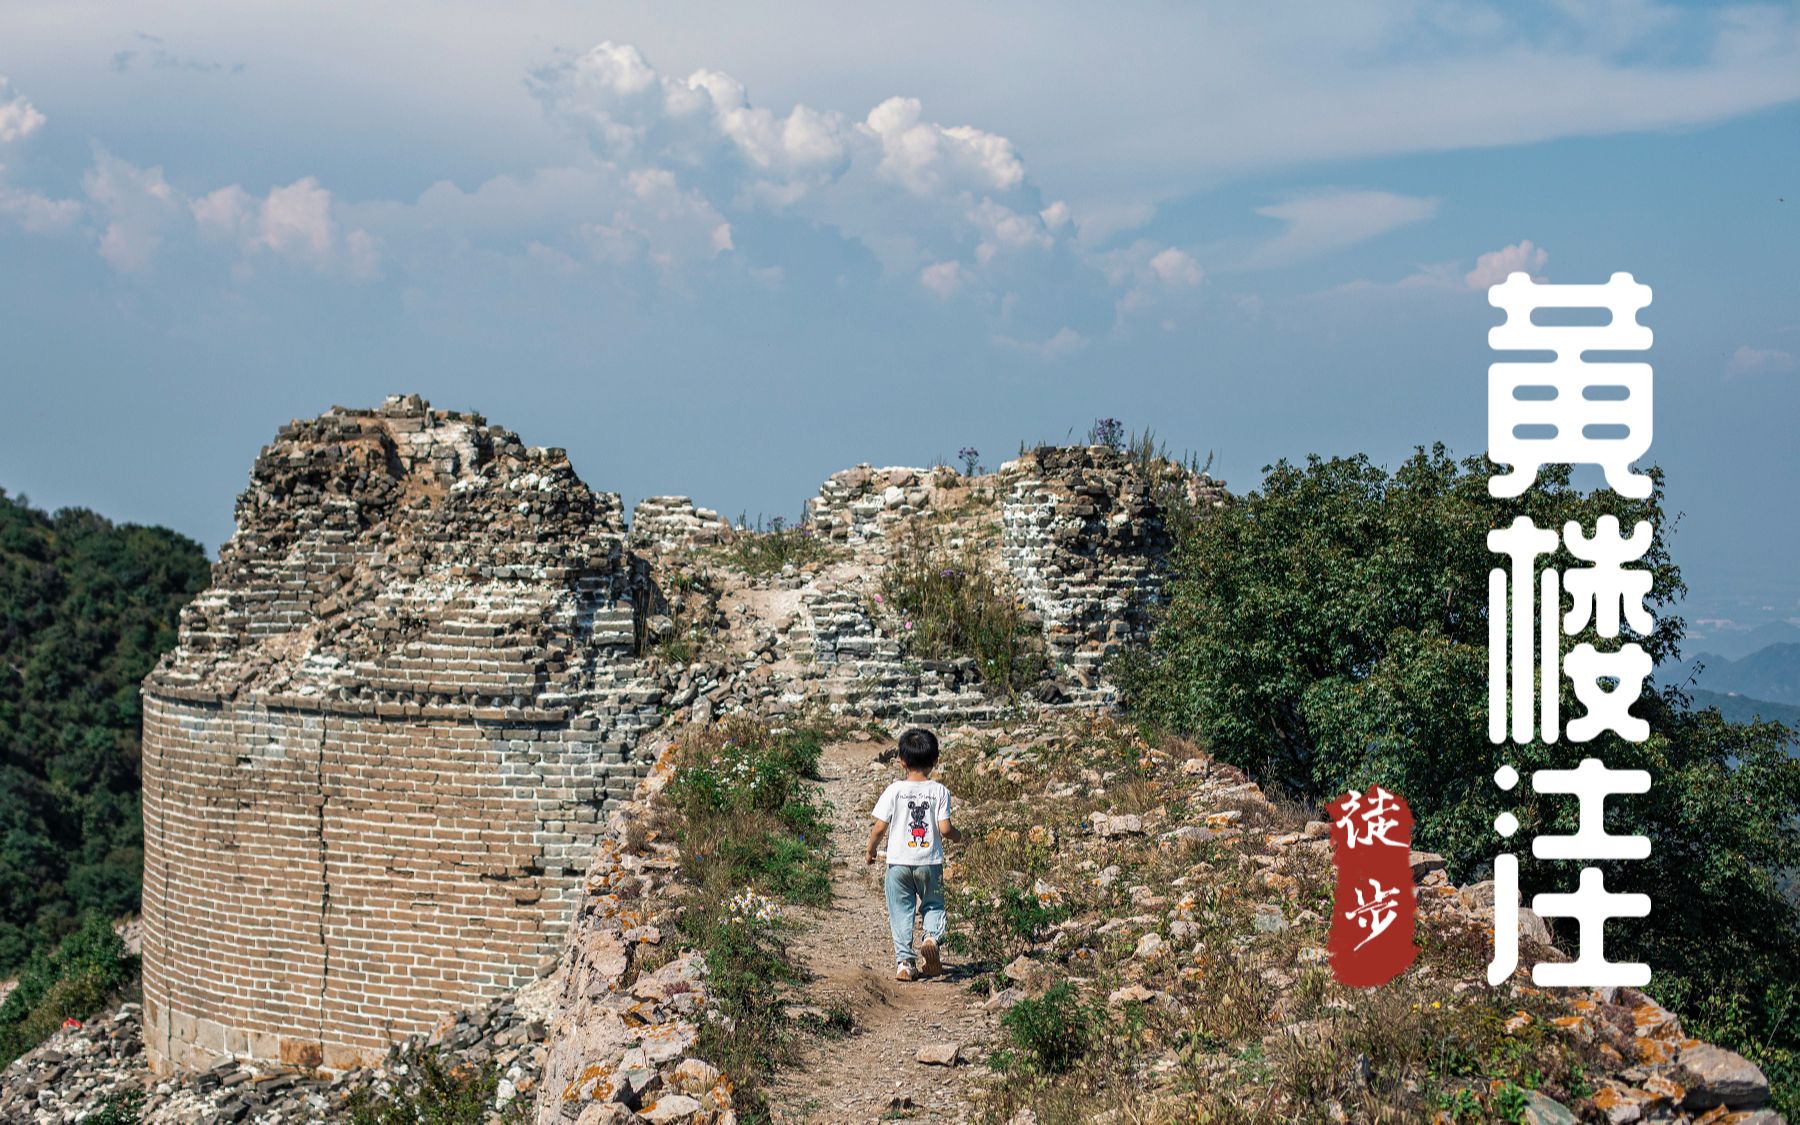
(1743, 709)
(86, 607)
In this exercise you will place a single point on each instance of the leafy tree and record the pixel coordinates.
(1330, 631)
(86, 607)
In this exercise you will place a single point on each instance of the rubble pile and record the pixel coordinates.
(624, 1035)
(82, 1069)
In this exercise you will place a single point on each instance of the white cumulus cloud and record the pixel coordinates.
(1495, 266)
(18, 117)
(943, 278)
(1151, 279)
(296, 222)
(912, 190)
(37, 213)
(1759, 361)
(1064, 342)
(138, 207)
(1176, 267)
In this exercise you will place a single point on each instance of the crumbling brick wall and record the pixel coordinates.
(1086, 530)
(376, 763)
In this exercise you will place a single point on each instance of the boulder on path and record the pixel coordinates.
(939, 1054)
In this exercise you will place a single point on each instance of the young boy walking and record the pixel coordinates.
(913, 817)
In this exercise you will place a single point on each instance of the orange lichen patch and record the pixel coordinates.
(1517, 1022)
(1576, 1026)
(595, 1084)
(640, 1014)
(1713, 1116)
(1651, 1051)
(1653, 1019)
(1584, 1005)
(720, 1094)
(1662, 1088)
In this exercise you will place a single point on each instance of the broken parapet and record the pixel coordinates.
(1085, 532)
(375, 765)
(673, 523)
(864, 503)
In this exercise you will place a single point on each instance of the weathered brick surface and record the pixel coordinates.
(1086, 529)
(378, 760)
(376, 764)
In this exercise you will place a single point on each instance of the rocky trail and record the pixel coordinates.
(873, 1072)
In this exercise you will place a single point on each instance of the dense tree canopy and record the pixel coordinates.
(1329, 631)
(86, 607)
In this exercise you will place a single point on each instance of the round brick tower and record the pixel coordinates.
(377, 761)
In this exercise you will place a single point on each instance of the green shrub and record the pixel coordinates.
(80, 977)
(1052, 1031)
(749, 969)
(947, 604)
(1330, 631)
(993, 929)
(1763, 1025)
(125, 1107)
(762, 553)
(749, 769)
(438, 1089)
(750, 815)
(753, 832)
(1026, 917)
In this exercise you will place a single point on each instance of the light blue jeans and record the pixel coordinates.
(905, 883)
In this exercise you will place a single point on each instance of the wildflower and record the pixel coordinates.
(752, 907)
(877, 599)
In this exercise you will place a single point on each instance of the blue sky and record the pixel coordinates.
(726, 250)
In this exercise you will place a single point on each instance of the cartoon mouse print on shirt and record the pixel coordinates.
(917, 811)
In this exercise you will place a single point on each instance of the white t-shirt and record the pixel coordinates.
(912, 810)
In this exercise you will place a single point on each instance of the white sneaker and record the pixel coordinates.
(928, 956)
(903, 971)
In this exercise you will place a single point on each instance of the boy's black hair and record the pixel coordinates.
(918, 749)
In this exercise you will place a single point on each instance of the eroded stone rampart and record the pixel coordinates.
(378, 761)
(376, 764)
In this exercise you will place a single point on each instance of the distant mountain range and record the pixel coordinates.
(1738, 645)
(1770, 673)
(1740, 709)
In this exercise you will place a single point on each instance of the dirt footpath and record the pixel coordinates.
(872, 1073)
